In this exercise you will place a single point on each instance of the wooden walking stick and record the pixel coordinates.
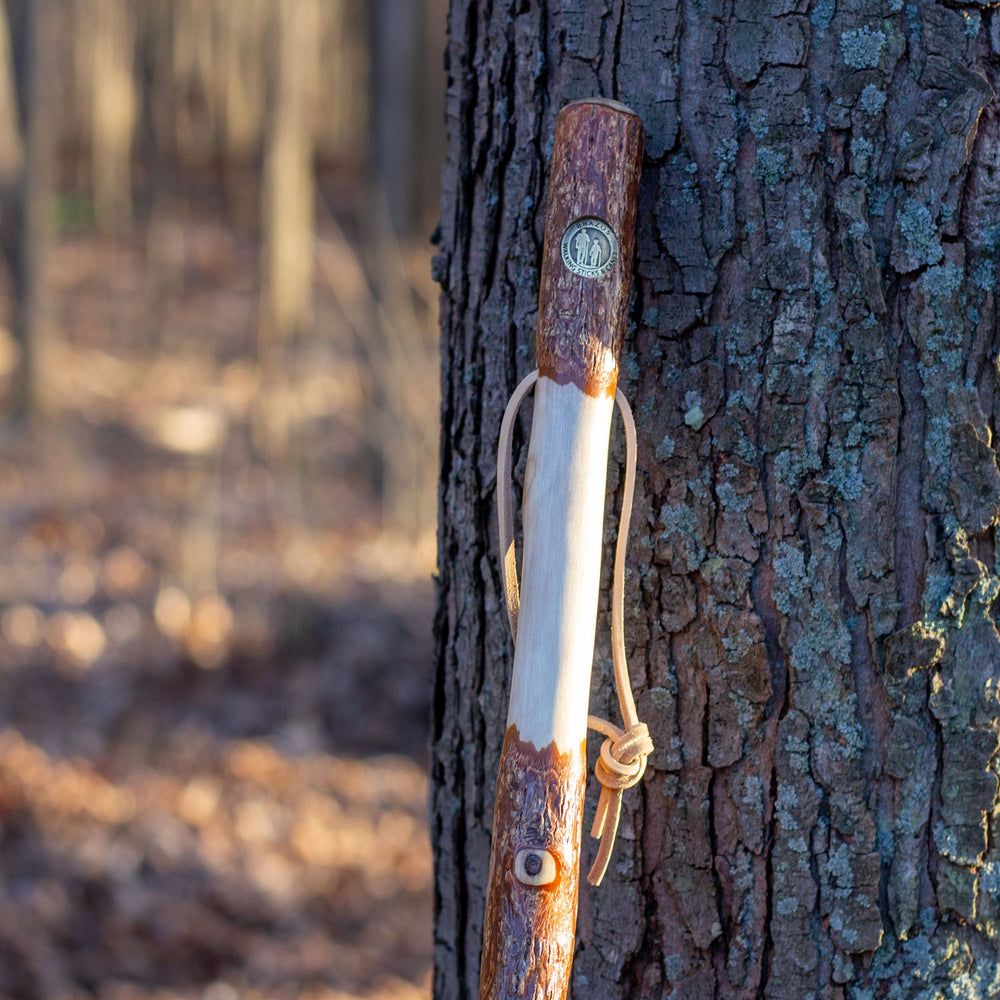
(582, 307)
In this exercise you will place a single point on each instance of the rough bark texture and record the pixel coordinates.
(813, 582)
(539, 810)
(581, 319)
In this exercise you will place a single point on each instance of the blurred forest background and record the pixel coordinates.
(218, 436)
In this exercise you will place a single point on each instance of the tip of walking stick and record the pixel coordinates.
(606, 102)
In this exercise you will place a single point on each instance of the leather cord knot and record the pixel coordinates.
(622, 761)
(621, 765)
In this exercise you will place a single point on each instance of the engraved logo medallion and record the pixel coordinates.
(589, 247)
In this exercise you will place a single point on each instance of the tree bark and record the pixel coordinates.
(814, 573)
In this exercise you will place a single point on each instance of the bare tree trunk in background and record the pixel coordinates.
(289, 191)
(195, 112)
(402, 353)
(407, 131)
(406, 148)
(11, 147)
(112, 28)
(396, 38)
(344, 80)
(33, 319)
(11, 151)
(813, 580)
(241, 29)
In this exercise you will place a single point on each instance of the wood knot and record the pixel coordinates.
(535, 866)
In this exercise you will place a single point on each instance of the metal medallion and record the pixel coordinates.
(589, 247)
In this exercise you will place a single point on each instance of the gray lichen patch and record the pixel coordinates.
(657, 707)
(872, 99)
(771, 166)
(916, 239)
(863, 47)
(680, 537)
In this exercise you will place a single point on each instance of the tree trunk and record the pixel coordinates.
(289, 184)
(395, 30)
(288, 200)
(112, 29)
(240, 29)
(11, 154)
(33, 317)
(813, 580)
(406, 131)
(11, 147)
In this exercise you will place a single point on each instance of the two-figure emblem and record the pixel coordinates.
(589, 247)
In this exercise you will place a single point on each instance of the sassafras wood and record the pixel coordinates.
(583, 303)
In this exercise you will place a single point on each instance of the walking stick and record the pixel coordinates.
(582, 307)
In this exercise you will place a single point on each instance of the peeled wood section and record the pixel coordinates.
(563, 515)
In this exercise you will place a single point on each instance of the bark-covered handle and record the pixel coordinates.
(586, 273)
(530, 918)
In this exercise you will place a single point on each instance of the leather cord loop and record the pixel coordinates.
(622, 760)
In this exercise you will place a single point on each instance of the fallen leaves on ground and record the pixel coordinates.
(227, 866)
(214, 661)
